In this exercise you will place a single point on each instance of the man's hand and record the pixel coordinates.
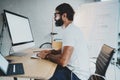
(43, 53)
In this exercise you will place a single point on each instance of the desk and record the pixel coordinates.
(34, 68)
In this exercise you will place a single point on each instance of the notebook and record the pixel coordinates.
(10, 68)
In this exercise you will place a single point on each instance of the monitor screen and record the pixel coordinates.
(19, 30)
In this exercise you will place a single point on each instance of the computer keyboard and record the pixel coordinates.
(35, 56)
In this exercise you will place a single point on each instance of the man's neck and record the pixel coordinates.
(67, 23)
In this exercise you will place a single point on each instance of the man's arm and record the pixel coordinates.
(55, 51)
(63, 58)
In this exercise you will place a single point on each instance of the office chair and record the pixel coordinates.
(102, 62)
(54, 45)
(46, 45)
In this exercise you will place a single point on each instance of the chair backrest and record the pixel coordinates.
(46, 45)
(95, 77)
(102, 62)
(57, 45)
(103, 59)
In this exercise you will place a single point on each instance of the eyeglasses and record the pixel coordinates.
(56, 13)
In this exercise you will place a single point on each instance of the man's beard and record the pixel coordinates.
(59, 22)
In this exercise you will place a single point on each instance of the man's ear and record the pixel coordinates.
(65, 15)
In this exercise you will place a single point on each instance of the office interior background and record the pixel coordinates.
(40, 14)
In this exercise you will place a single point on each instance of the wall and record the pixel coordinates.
(40, 13)
(99, 23)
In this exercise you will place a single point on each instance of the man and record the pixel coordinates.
(72, 60)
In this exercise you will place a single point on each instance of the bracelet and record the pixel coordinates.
(52, 51)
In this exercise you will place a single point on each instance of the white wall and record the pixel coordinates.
(99, 23)
(40, 13)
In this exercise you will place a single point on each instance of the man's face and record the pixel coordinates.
(58, 19)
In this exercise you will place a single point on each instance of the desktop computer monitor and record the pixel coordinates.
(19, 30)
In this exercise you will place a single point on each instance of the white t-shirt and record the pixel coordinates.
(79, 61)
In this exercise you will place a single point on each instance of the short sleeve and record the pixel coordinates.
(68, 39)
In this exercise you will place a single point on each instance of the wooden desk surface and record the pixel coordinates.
(34, 68)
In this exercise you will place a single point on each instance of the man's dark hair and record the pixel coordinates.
(66, 8)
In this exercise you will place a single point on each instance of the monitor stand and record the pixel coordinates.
(14, 53)
(19, 54)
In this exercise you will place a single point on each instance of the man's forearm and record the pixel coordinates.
(62, 58)
(55, 52)
(54, 58)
